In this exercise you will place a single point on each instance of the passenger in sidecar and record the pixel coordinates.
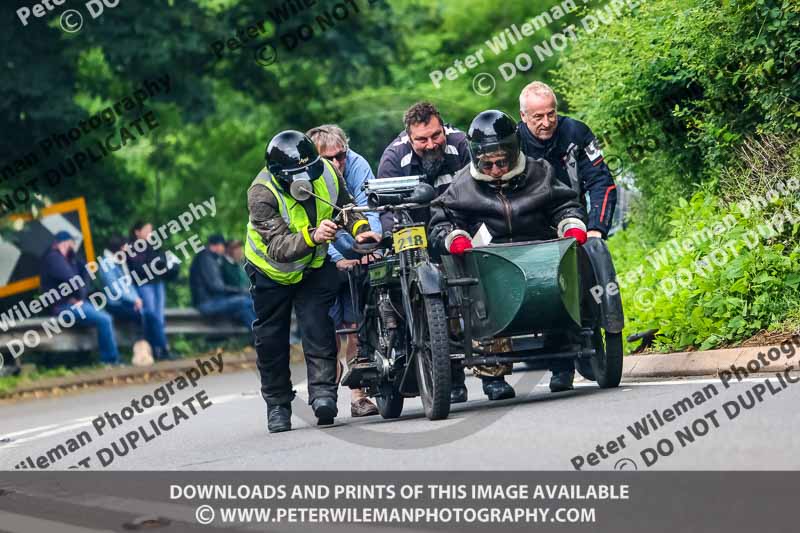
(517, 199)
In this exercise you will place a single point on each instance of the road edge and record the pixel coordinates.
(680, 364)
(131, 375)
(712, 362)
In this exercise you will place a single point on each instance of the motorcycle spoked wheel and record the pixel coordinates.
(432, 355)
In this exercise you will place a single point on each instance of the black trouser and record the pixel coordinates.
(312, 299)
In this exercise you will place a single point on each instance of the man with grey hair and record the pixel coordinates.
(572, 149)
(333, 144)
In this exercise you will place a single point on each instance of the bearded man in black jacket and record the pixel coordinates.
(519, 199)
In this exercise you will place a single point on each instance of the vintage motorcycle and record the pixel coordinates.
(402, 328)
(529, 302)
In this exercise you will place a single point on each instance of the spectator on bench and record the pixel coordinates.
(233, 273)
(210, 294)
(129, 305)
(60, 265)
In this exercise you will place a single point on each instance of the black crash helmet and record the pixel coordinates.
(493, 131)
(291, 156)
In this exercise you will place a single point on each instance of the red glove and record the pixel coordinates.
(577, 234)
(461, 244)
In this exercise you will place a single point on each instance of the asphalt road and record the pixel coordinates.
(537, 430)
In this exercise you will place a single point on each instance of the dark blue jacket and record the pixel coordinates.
(55, 270)
(576, 155)
(399, 159)
(206, 281)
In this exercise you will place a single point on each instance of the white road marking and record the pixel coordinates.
(302, 389)
(24, 431)
(688, 381)
(57, 431)
(69, 425)
(771, 377)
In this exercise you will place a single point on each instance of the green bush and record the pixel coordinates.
(728, 288)
(703, 111)
(698, 76)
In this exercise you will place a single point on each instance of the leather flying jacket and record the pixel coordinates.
(529, 207)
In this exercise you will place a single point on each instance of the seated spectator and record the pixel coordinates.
(210, 294)
(130, 306)
(59, 265)
(233, 273)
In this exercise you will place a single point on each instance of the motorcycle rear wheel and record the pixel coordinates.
(390, 401)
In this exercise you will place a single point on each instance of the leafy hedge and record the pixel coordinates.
(705, 90)
(728, 287)
(726, 69)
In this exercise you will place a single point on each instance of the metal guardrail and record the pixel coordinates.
(79, 338)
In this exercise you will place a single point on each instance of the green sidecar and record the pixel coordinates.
(535, 302)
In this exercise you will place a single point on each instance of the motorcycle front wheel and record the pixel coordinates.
(432, 355)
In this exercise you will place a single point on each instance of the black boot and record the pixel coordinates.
(325, 410)
(279, 418)
(496, 388)
(458, 390)
(562, 380)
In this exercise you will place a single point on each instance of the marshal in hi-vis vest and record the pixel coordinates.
(256, 251)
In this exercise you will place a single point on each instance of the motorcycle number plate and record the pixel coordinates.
(410, 239)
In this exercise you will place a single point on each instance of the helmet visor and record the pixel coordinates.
(503, 153)
(308, 172)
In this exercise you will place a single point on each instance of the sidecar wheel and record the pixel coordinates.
(607, 361)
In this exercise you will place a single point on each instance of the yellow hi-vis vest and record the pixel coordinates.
(326, 186)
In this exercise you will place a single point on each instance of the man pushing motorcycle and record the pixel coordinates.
(518, 199)
(287, 249)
